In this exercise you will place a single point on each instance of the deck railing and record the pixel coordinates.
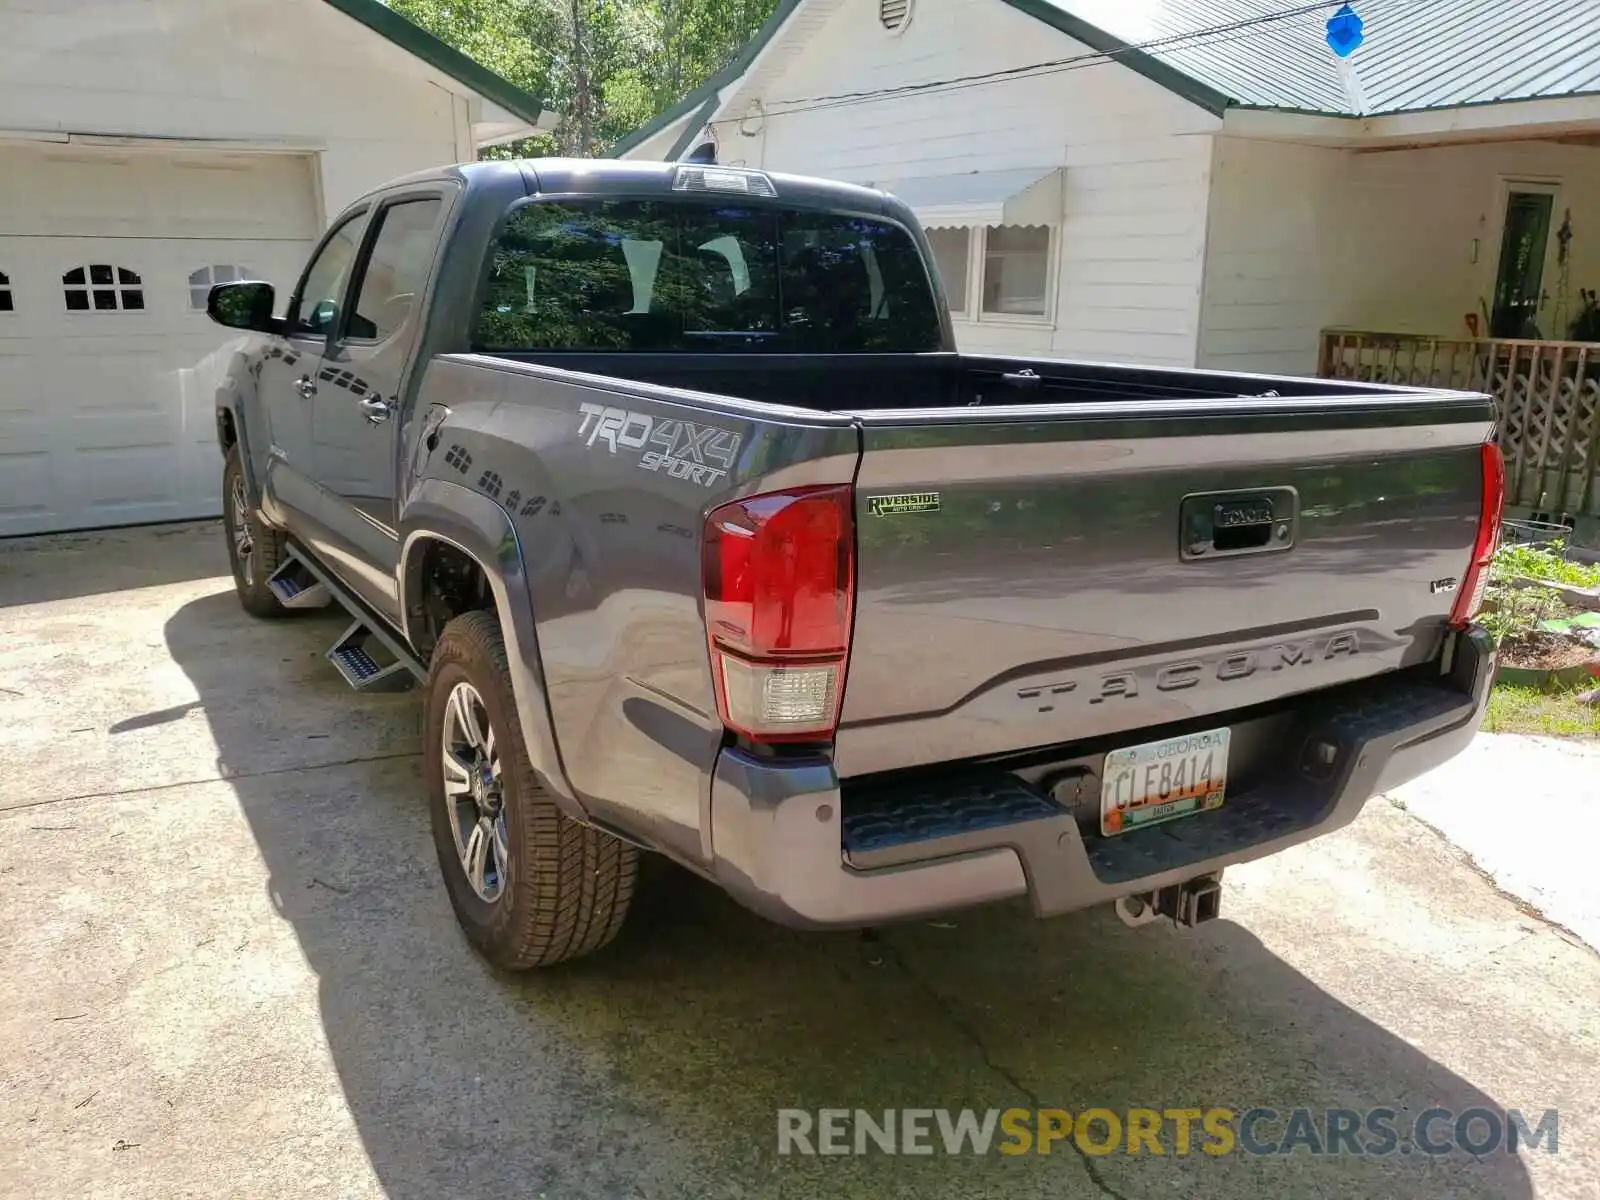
(1548, 394)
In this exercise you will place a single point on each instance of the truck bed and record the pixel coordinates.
(847, 382)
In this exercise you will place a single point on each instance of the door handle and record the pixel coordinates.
(375, 408)
(305, 387)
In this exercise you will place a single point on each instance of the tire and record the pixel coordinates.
(255, 549)
(547, 888)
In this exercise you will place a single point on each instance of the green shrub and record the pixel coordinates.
(1543, 562)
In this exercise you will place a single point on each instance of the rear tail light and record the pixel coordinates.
(1469, 599)
(779, 576)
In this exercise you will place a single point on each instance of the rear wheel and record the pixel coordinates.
(255, 549)
(530, 886)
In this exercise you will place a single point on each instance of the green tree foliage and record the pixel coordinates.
(606, 66)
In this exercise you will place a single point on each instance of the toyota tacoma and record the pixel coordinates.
(669, 486)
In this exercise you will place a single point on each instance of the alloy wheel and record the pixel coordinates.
(244, 547)
(474, 796)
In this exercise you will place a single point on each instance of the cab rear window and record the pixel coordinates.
(670, 276)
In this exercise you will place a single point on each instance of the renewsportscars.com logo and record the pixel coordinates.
(1375, 1132)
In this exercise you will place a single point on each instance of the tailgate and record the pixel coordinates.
(1034, 576)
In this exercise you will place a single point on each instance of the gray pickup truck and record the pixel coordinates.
(668, 484)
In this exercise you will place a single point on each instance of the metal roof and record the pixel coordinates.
(1417, 54)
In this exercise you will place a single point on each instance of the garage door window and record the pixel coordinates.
(200, 282)
(5, 292)
(101, 287)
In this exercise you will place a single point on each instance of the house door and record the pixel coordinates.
(1519, 285)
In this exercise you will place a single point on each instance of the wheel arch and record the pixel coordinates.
(231, 402)
(443, 517)
(231, 435)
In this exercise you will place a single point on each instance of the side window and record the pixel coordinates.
(200, 282)
(5, 292)
(316, 310)
(102, 287)
(396, 269)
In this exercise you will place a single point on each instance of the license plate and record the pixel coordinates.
(1145, 785)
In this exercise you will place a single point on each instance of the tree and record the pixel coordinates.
(607, 66)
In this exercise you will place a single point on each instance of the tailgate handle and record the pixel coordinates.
(1241, 525)
(1224, 524)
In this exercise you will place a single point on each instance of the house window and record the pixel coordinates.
(996, 273)
(200, 282)
(951, 253)
(102, 287)
(5, 292)
(894, 14)
(1016, 270)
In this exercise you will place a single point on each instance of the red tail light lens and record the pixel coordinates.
(779, 575)
(1469, 599)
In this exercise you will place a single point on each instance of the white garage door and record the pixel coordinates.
(108, 363)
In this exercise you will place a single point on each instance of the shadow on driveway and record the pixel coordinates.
(34, 570)
(656, 1068)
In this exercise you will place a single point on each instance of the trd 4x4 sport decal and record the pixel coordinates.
(702, 454)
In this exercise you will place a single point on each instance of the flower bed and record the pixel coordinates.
(1541, 610)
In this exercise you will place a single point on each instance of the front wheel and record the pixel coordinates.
(530, 886)
(255, 549)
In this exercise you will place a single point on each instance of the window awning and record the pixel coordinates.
(1023, 196)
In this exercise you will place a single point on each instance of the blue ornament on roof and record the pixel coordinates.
(1344, 32)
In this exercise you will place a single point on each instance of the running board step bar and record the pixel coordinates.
(296, 587)
(351, 655)
(367, 655)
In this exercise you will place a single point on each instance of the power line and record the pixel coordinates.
(1210, 35)
(1153, 44)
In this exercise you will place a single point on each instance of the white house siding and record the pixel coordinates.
(1137, 158)
(1414, 216)
(1304, 238)
(273, 70)
(1273, 270)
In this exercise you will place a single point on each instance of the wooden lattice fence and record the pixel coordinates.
(1548, 394)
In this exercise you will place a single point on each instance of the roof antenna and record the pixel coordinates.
(705, 152)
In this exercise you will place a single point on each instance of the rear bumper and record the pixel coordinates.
(793, 846)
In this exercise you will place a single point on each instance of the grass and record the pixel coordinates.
(1546, 714)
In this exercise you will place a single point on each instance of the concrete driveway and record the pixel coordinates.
(229, 970)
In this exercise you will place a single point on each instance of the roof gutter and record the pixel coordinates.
(1500, 120)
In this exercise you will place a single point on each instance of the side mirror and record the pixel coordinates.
(242, 305)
